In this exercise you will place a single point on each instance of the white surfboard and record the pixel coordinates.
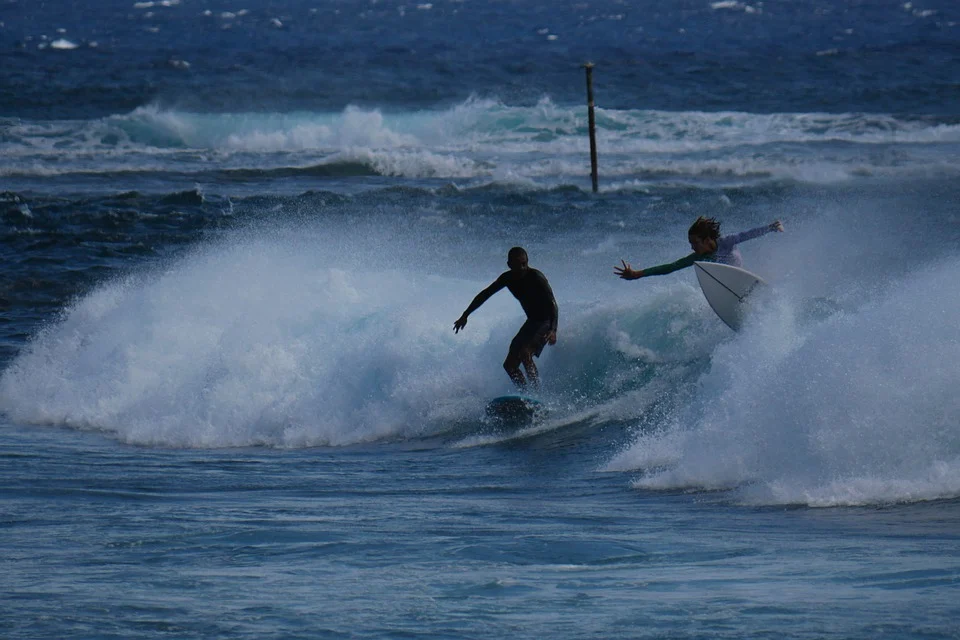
(725, 287)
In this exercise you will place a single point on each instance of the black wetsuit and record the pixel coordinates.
(533, 292)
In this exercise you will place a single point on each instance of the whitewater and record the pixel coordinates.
(335, 329)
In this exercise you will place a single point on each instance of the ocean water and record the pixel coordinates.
(235, 238)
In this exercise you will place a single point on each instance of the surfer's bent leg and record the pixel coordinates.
(526, 356)
(528, 342)
(520, 354)
(512, 366)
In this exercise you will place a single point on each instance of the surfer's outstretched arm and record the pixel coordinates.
(627, 273)
(743, 236)
(481, 297)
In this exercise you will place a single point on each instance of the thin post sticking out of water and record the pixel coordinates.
(592, 125)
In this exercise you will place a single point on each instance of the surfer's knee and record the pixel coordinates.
(522, 355)
(527, 360)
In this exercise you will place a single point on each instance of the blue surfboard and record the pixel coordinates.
(513, 411)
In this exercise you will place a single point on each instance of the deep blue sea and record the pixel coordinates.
(235, 239)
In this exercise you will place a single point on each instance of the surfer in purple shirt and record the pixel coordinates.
(531, 288)
(708, 246)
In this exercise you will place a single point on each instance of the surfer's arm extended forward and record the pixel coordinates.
(628, 273)
(481, 297)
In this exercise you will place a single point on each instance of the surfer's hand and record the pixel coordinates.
(626, 272)
(552, 337)
(776, 225)
(459, 324)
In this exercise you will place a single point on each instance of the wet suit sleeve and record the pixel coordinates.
(682, 263)
(743, 236)
(484, 295)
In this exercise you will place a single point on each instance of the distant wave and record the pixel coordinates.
(489, 121)
(486, 140)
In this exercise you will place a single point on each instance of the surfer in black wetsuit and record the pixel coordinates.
(531, 288)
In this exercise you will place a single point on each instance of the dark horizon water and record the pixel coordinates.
(68, 60)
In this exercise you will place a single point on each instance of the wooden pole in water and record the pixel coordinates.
(592, 125)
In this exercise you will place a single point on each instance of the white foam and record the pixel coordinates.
(62, 44)
(857, 409)
(275, 341)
